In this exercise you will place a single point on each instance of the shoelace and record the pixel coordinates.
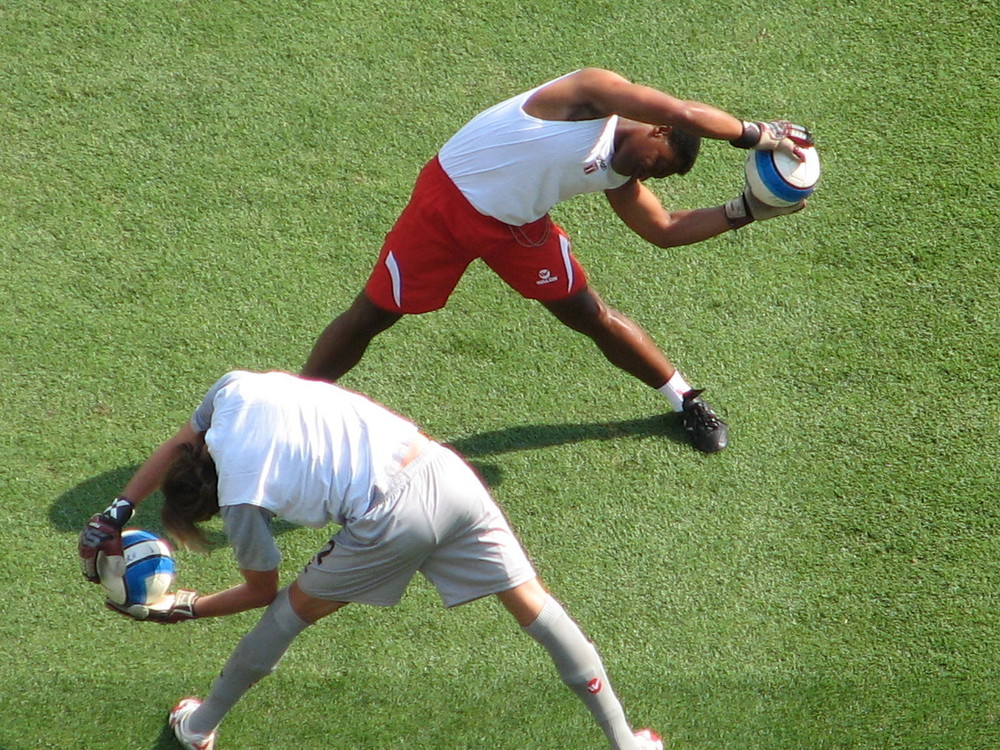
(702, 413)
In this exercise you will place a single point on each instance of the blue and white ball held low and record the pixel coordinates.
(149, 570)
(779, 179)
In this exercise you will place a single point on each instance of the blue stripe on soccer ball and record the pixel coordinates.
(785, 183)
(149, 567)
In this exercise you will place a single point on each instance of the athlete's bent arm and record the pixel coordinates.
(148, 477)
(103, 531)
(257, 590)
(593, 93)
(644, 214)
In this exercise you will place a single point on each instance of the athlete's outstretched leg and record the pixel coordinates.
(627, 346)
(577, 661)
(254, 658)
(345, 339)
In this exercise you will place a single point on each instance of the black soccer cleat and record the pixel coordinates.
(708, 433)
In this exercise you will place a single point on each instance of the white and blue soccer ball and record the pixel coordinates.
(779, 179)
(149, 570)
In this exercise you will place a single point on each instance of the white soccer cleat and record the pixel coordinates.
(647, 739)
(189, 740)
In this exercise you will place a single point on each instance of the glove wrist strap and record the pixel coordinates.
(184, 604)
(119, 512)
(738, 212)
(750, 136)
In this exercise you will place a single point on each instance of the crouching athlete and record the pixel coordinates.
(272, 445)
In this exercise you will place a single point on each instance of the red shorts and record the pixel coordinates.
(440, 233)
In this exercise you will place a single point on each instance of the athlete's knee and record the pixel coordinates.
(584, 312)
(308, 609)
(603, 323)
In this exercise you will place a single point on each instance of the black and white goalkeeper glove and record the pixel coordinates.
(168, 610)
(745, 208)
(777, 135)
(103, 533)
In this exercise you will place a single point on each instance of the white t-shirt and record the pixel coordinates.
(515, 167)
(310, 452)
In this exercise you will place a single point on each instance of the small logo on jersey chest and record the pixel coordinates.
(594, 165)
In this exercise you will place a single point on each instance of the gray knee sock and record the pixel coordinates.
(255, 657)
(579, 665)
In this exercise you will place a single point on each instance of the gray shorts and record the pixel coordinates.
(436, 518)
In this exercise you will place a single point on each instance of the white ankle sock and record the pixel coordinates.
(674, 389)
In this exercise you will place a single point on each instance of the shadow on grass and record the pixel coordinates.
(532, 437)
(72, 509)
(165, 740)
(529, 437)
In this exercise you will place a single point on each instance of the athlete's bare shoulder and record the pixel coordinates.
(577, 96)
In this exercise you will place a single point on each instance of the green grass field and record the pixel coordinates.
(191, 187)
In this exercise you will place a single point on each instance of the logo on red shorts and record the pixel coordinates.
(545, 277)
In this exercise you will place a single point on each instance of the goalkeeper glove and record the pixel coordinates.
(103, 533)
(745, 208)
(777, 135)
(168, 610)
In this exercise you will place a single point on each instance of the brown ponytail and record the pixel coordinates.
(191, 493)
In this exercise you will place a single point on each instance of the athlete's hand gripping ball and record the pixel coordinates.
(168, 610)
(747, 206)
(777, 135)
(103, 533)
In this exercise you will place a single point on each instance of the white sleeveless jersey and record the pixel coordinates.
(310, 452)
(515, 167)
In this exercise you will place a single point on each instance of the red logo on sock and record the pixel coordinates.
(595, 685)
